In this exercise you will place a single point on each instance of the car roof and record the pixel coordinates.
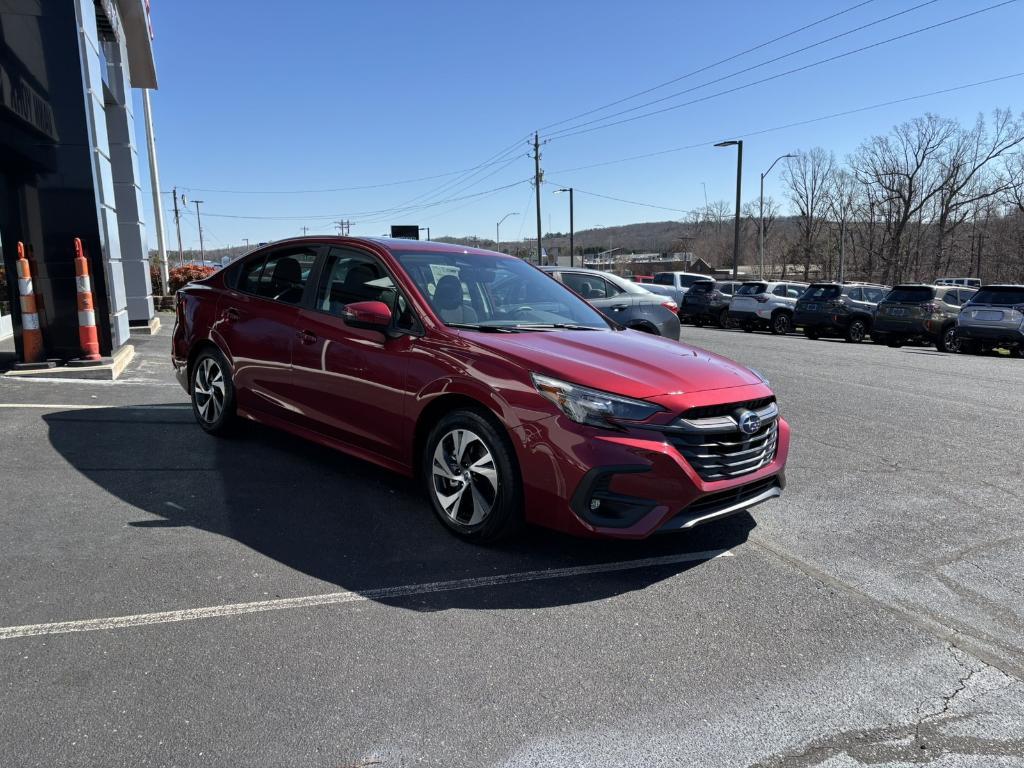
(390, 243)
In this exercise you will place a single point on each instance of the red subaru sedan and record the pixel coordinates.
(510, 396)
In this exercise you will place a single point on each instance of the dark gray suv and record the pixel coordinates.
(924, 313)
(846, 310)
(624, 301)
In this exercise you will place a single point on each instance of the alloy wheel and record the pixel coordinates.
(780, 325)
(465, 477)
(208, 390)
(950, 340)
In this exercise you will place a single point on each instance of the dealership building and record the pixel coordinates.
(70, 165)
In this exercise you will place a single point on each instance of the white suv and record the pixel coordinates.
(761, 304)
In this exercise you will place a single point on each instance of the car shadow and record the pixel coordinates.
(341, 520)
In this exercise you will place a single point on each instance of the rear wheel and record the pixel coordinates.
(471, 478)
(948, 340)
(856, 331)
(811, 333)
(213, 392)
(723, 319)
(781, 324)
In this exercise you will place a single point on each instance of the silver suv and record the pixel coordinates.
(762, 304)
(994, 317)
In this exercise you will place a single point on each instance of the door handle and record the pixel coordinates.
(620, 307)
(307, 337)
(231, 314)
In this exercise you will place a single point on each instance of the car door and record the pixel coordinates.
(350, 382)
(601, 293)
(256, 325)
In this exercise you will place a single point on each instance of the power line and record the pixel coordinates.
(787, 72)
(753, 67)
(796, 123)
(623, 200)
(706, 67)
(335, 216)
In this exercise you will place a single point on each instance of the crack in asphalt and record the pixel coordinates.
(920, 742)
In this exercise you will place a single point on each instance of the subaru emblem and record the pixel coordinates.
(749, 422)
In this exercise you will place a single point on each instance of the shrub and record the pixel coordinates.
(183, 275)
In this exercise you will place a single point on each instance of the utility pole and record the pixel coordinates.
(343, 227)
(199, 219)
(154, 182)
(739, 188)
(537, 179)
(177, 225)
(304, 231)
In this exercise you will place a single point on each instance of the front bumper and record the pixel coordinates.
(643, 483)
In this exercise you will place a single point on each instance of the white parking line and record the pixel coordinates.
(94, 406)
(335, 598)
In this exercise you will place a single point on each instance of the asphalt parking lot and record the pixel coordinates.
(170, 599)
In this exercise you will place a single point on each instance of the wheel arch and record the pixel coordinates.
(194, 352)
(435, 409)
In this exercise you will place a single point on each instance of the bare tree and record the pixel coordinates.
(842, 200)
(807, 176)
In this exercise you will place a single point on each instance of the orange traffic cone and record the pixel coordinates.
(87, 335)
(31, 336)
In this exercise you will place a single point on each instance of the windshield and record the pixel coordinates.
(663, 278)
(624, 285)
(751, 289)
(909, 294)
(1006, 297)
(499, 292)
(821, 293)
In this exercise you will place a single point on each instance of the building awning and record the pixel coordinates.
(138, 34)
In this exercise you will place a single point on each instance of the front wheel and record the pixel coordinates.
(811, 333)
(471, 477)
(948, 340)
(856, 331)
(213, 392)
(781, 324)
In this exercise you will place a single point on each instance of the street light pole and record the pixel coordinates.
(739, 190)
(497, 230)
(428, 231)
(199, 220)
(572, 228)
(761, 215)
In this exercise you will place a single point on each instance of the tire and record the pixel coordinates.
(492, 508)
(968, 347)
(645, 328)
(723, 319)
(856, 331)
(699, 322)
(1017, 352)
(894, 343)
(811, 333)
(781, 324)
(213, 392)
(748, 327)
(948, 340)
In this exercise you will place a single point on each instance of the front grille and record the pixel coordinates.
(725, 409)
(721, 456)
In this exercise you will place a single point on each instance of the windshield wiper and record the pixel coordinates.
(565, 326)
(484, 328)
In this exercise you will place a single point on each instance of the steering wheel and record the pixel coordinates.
(521, 310)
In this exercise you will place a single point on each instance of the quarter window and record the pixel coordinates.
(874, 294)
(780, 290)
(951, 298)
(856, 294)
(280, 276)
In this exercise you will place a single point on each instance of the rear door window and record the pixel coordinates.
(781, 290)
(249, 275)
(951, 297)
(589, 286)
(856, 294)
(821, 292)
(285, 273)
(874, 294)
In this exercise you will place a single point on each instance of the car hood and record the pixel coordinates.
(628, 363)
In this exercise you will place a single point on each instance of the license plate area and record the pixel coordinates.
(989, 315)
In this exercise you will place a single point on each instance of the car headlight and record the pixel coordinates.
(592, 406)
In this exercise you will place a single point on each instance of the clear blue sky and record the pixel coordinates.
(326, 94)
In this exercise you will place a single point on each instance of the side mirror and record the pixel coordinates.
(373, 315)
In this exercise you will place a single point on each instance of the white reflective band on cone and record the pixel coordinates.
(24, 286)
(30, 322)
(82, 281)
(86, 317)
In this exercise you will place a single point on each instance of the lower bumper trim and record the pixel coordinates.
(731, 502)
